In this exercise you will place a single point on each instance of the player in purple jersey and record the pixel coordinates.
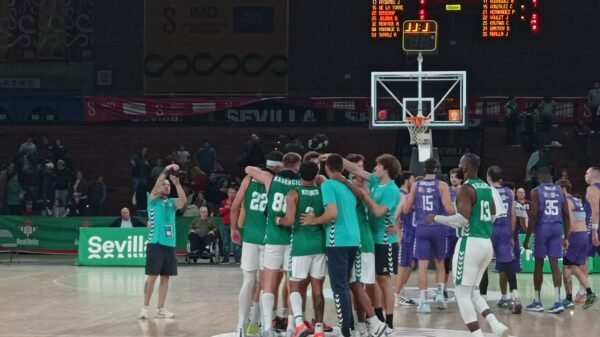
(503, 241)
(549, 209)
(430, 196)
(576, 254)
(455, 182)
(406, 261)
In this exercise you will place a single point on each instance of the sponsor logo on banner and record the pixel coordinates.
(28, 229)
(133, 108)
(133, 247)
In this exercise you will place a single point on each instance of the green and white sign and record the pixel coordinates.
(112, 246)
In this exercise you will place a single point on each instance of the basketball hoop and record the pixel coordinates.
(418, 127)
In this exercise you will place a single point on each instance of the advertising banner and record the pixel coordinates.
(112, 246)
(215, 46)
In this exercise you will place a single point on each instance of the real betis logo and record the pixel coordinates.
(28, 228)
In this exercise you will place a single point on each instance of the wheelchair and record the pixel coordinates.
(212, 253)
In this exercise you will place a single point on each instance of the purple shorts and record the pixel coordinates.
(501, 242)
(517, 265)
(548, 241)
(592, 250)
(452, 240)
(431, 240)
(405, 258)
(578, 248)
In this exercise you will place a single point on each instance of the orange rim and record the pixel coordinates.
(418, 121)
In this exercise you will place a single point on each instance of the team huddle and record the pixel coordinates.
(299, 227)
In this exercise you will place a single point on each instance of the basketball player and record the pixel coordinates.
(476, 209)
(160, 250)
(455, 183)
(576, 254)
(342, 241)
(253, 196)
(592, 203)
(549, 209)
(383, 199)
(363, 271)
(406, 261)
(307, 246)
(430, 196)
(503, 234)
(277, 238)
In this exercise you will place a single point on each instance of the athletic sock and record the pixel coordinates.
(569, 297)
(440, 288)
(422, 296)
(514, 294)
(557, 293)
(588, 291)
(389, 319)
(379, 314)
(504, 297)
(538, 296)
(296, 302)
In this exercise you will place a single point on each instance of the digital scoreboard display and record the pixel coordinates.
(459, 19)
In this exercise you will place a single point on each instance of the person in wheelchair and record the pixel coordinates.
(202, 234)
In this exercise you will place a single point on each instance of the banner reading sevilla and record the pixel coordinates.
(215, 46)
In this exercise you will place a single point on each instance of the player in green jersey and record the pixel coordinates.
(474, 219)
(307, 246)
(277, 238)
(252, 199)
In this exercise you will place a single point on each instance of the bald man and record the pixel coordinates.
(127, 221)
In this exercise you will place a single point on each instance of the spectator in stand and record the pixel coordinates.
(206, 157)
(224, 213)
(220, 172)
(199, 180)
(537, 160)
(593, 101)
(48, 185)
(512, 121)
(63, 180)
(14, 195)
(97, 196)
(76, 206)
(58, 151)
(294, 145)
(157, 169)
(80, 188)
(213, 193)
(529, 128)
(183, 156)
(253, 154)
(193, 210)
(127, 221)
(140, 199)
(547, 110)
(140, 168)
(582, 142)
(27, 175)
(28, 148)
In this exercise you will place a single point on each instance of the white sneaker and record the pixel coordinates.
(500, 330)
(361, 328)
(143, 313)
(388, 330)
(439, 297)
(378, 330)
(164, 313)
(405, 302)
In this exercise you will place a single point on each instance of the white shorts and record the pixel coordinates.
(471, 258)
(252, 256)
(366, 269)
(277, 257)
(303, 266)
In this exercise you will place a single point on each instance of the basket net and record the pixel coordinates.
(418, 128)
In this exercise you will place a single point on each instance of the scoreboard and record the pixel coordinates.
(459, 19)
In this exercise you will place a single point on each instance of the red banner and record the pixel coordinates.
(106, 109)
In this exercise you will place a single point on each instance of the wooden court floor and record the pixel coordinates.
(51, 297)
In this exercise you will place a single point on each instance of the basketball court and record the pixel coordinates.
(51, 297)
